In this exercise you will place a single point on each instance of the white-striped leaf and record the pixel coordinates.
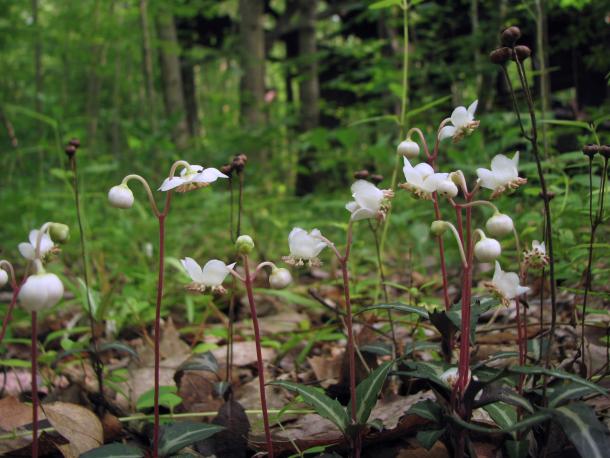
(584, 430)
(427, 409)
(428, 438)
(398, 307)
(114, 451)
(324, 406)
(522, 425)
(502, 414)
(568, 392)
(179, 435)
(536, 370)
(368, 390)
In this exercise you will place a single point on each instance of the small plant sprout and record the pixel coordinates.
(369, 201)
(408, 148)
(486, 249)
(499, 225)
(462, 123)
(191, 177)
(505, 285)
(304, 246)
(210, 277)
(503, 176)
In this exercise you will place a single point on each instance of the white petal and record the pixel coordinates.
(460, 117)
(26, 250)
(497, 273)
(32, 236)
(294, 232)
(509, 284)
(424, 169)
(193, 269)
(503, 169)
(363, 213)
(351, 206)
(367, 195)
(473, 108)
(214, 273)
(516, 160)
(171, 183)
(446, 132)
(431, 183)
(486, 178)
(209, 175)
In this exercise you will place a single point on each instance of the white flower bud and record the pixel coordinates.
(438, 227)
(40, 291)
(3, 277)
(280, 278)
(499, 225)
(487, 250)
(120, 196)
(60, 233)
(447, 188)
(244, 244)
(408, 149)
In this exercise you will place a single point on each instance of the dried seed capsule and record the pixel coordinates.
(501, 55)
(75, 142)
(227, 169)
(522, 52)
(376, 179)
(591, 150)
(605, 151)
(361, 174)
(510, 35)
(70, 150)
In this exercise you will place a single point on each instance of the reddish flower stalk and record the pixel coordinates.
(9, 312)
(259, 356)
(34, 362)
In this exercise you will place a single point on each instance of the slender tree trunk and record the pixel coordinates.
(37, 58)
(147, 65)
(252, 83)
(173, 94)
(309, 90)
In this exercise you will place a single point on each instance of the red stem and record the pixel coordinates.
(158, 332)
(9, 312)
(259, 356)
(34, 360)
(464, 363)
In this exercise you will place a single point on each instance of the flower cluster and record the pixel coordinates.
(536, 257)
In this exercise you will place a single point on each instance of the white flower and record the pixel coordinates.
(28, 250)
(3, 277)
(192, 177)
(421, 179)
(451, 376)
(368, 201)
(280, 278)
(211, 276)
(463, 123)
(499, 225)
(408, 148)
(504, 174)
(120, 196)
(40, 291)
(536, 257)
(304, 246)
(447, 188)
(487, 250)
(506, 285)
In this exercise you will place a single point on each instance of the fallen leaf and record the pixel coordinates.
(244, 353)
(78, 425)
(15, 414)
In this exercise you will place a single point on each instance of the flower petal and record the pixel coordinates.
(209, 175)
(367, 195)
(26, 250)
(473, 108)
(446, 132)
(424, 169)
(193, 269)
(214, 272)
(486, 177)
(171, 183)
(363, 213)
(460, 117)
(351, 206)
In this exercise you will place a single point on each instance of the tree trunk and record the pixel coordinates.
(252, 83)
(147, 65)
(309, 91)
(173, 94)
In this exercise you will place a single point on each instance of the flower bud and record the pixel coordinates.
(280, 278)
(60, 233)
(3, 277)
(447, 188)
(408, 149)
(522, 52)
(438, 227)
(361, 174)
(510, 35)
(40, 291)
(120, 196)
(487, 250)
(499, 225)
(501, 55)
(244, 244)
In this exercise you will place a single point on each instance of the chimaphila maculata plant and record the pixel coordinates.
(38, 291)
(191, 177)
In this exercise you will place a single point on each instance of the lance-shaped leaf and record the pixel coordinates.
(427, 409)
(118, 346)
(114, 451)
(179, 435)
(203, 362)
(568, 392)
(368, 390)
(398, 307)
(536, 370)
(524, 424)
(516, 449)
(506, 395)
(428, 438)
(584, 430)
(324, 406)
(502, 414)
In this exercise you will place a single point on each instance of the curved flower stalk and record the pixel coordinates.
(121, 196)
(504, 175)
(462, 123)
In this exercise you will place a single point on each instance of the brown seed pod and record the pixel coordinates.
(242, 157)
(501, 55)
(510, 35)
(376, 178)
(238, 165)
(227, 169)
(75, 142)
(590, 150)
(522, 52)
(605, 151)
(70, 150)
(361, 174)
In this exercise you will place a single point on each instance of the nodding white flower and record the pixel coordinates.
(192, 177)
(463, 123)
(210, 277)
(40, 291)
(304, 246)
(280, 278)
(499, 225)
(28, 250)
(487, 250)
(536, 257)
(447, 188)
(120, 196)
(506, 285)
(369, 201)
(422, 181)
(451, 376)
(504, 174)
(408, 148)
(3, 277)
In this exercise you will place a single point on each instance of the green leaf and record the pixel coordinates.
(427, 439)
(324, 406)
(377, 348)
(368, 391)
(118, 346)
(384, 4)
(516, 449)
(567, 123)
(526, 423)
(584, 430)
(14, 362)
(179, 435)
(506, 395)
(167, 398)
(431, 371)
(427, 409)
(398, 307)
(502, 414)
(568, 392)
(536, 370)
(114, 451)
(200, 362)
